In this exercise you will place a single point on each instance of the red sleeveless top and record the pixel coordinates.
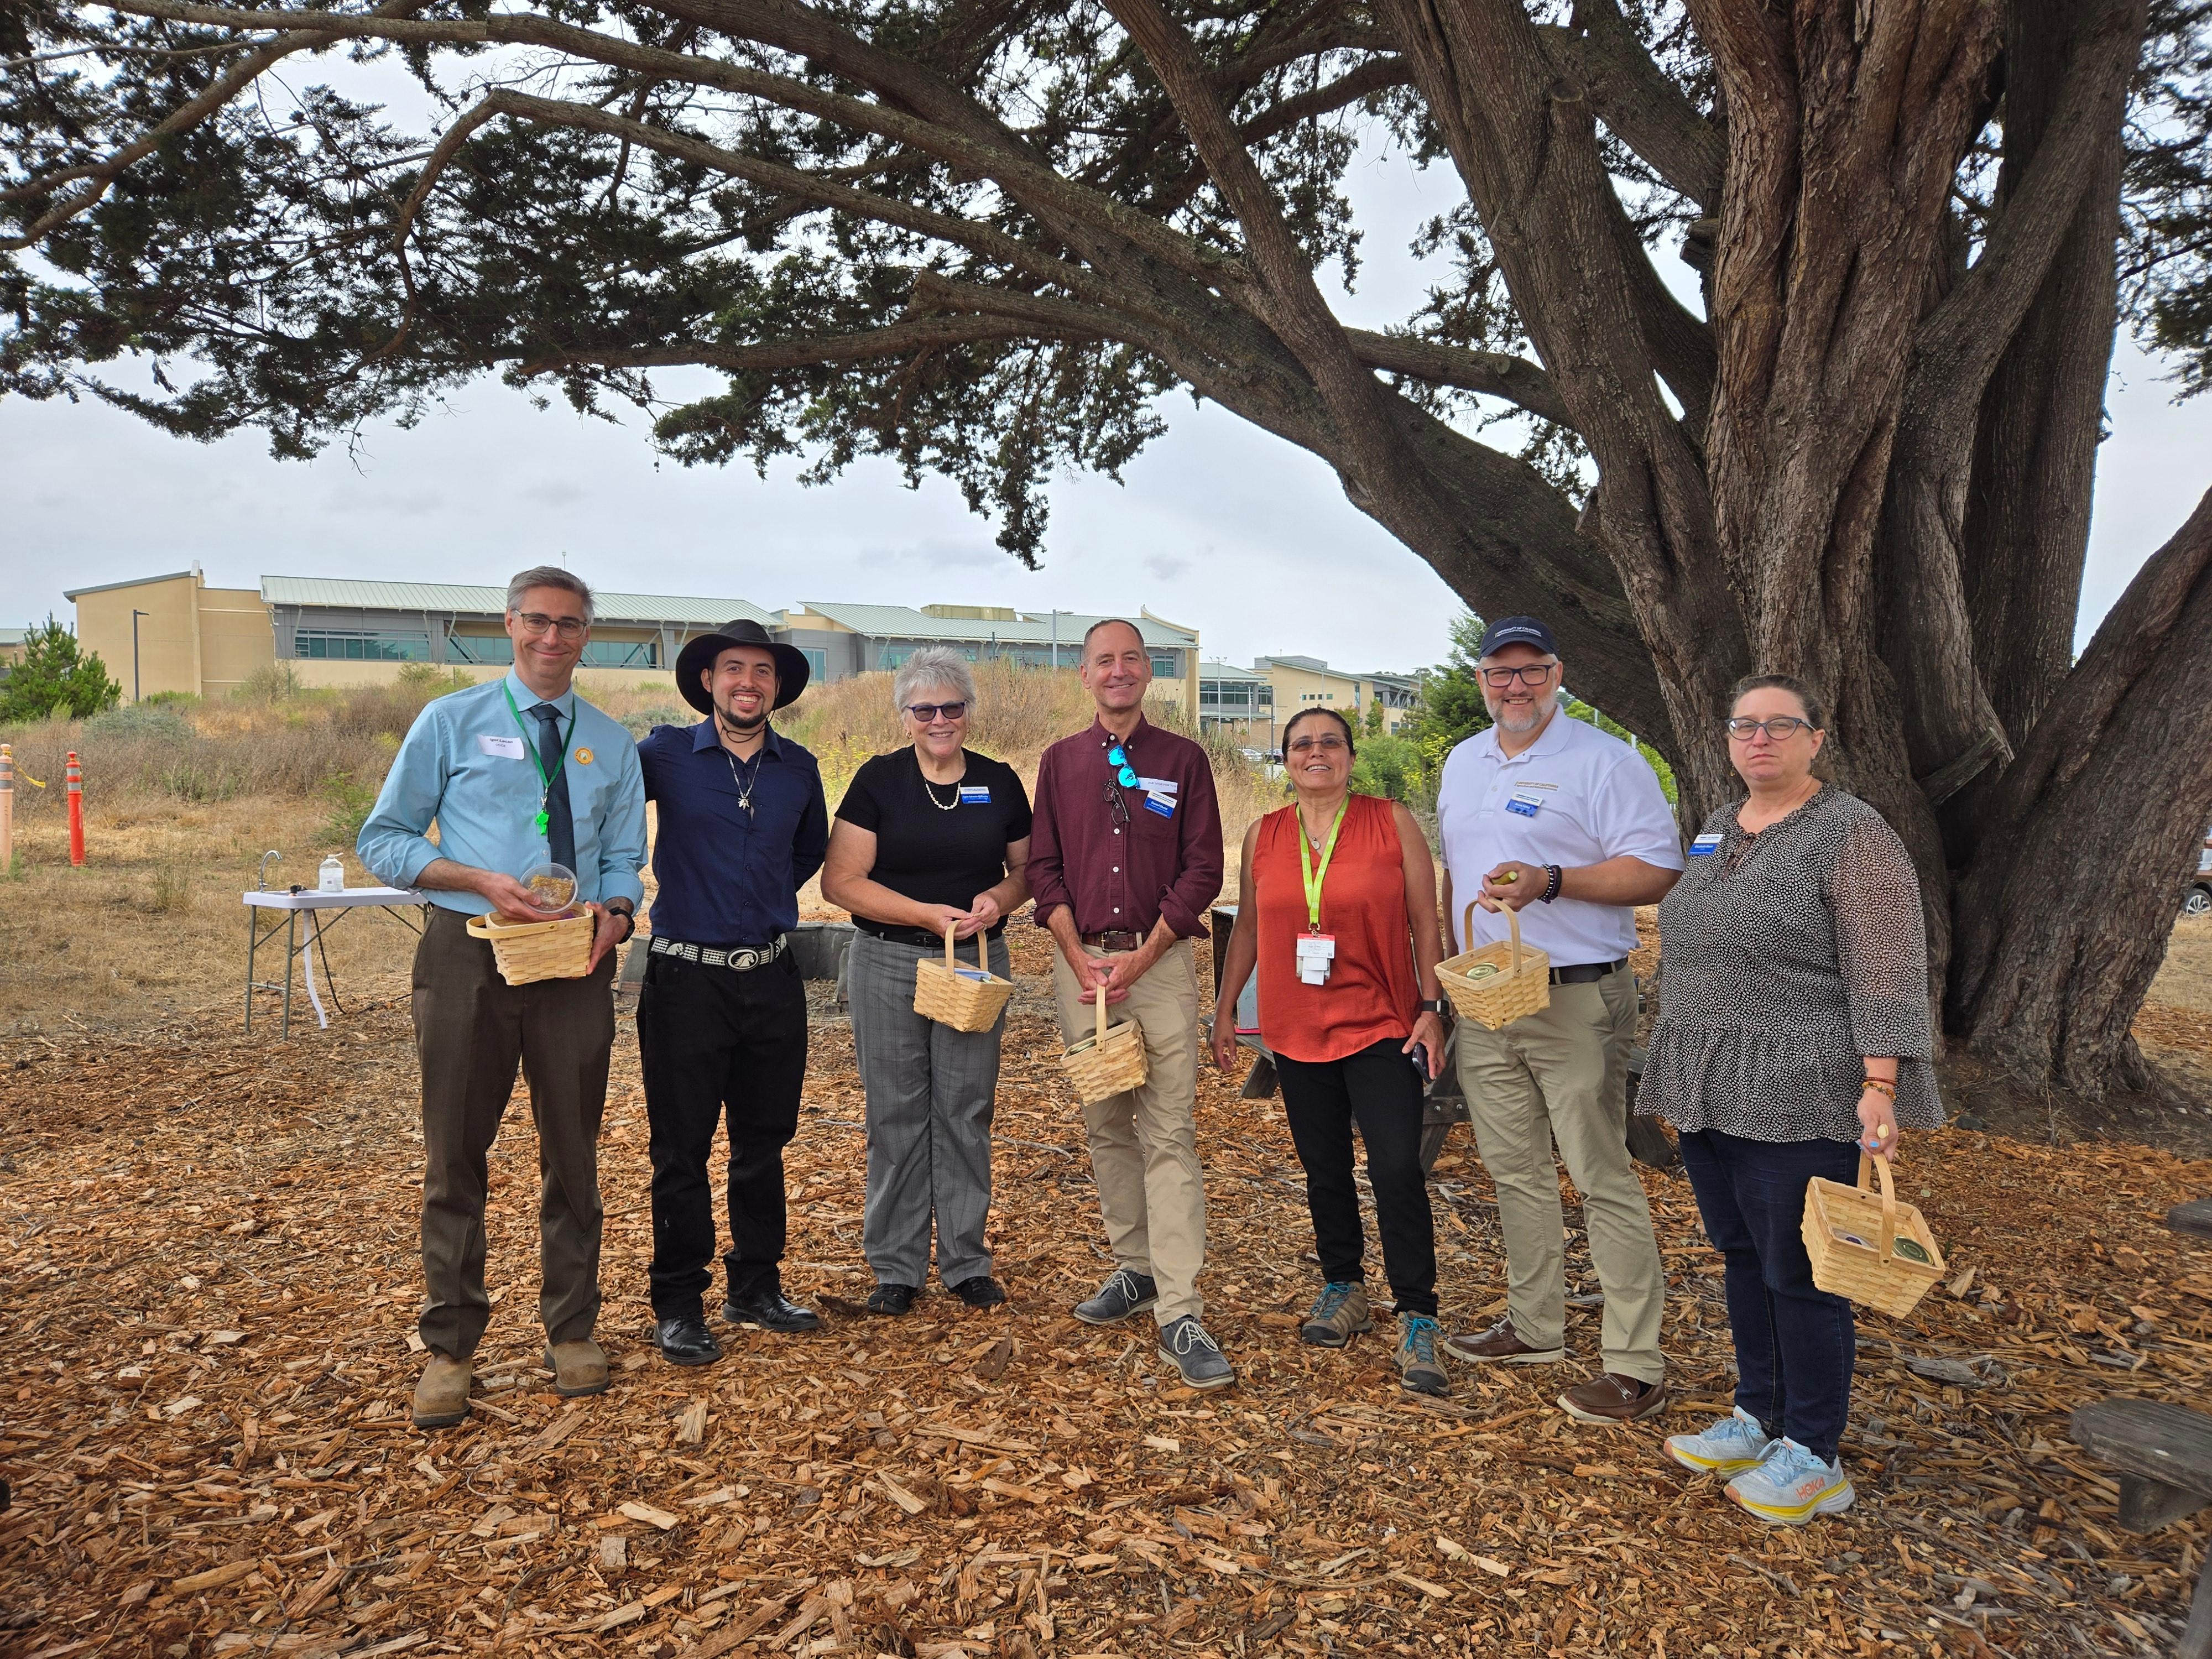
(1371, 992)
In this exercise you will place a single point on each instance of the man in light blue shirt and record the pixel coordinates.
(515, 774)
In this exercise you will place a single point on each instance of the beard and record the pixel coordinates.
(1517, 718)
(730, 722)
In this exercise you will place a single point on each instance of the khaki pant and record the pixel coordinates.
(1144, 1143)
(1562, 1075)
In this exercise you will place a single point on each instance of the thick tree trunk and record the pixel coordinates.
(2065, 913)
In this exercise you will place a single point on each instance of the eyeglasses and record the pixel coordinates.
(1118, 758)
(926, 712)
(571, 629)
(1781, 728)
(1121, 807)
(1328, 743)
(1534, 673)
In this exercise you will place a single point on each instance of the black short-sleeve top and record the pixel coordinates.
(936, 843)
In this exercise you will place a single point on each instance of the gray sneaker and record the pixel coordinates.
(1185, 1345)
(1122, 1294)
(1338, 1314)
(1418, 1370)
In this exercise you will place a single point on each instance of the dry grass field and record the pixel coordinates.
(210, 1288)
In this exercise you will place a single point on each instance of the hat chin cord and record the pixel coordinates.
(729, 724)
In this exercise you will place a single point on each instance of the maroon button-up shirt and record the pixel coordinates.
(1107, 852)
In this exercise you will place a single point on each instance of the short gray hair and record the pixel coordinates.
(933, 665)
(548, 575)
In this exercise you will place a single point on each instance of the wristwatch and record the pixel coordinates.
(630, 916)
(1436, 1006)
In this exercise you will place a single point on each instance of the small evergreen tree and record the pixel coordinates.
(55, 676)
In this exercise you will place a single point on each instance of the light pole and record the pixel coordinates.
(135, 615)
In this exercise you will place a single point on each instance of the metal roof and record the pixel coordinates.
(71, 594)
(14, 635)
(608, 607)
(1227, 670)
(900, 621)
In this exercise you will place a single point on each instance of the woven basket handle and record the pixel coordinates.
(1879, 1161)
(1513, 921)
(983, 950)
(1102, 1017)
(948, 947)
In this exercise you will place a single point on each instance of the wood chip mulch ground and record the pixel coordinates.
(211, 1284)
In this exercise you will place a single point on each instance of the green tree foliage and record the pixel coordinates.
(1391, 766)
(56, 677)
(1450, 708)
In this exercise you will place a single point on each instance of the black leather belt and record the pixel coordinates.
(1120, 938)
(737, 959)
(1587, 973)
(920, 936)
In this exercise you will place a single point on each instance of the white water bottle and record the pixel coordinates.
(332, 877)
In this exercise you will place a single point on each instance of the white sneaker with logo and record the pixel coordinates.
(1791, 1487)
(1736, 1442)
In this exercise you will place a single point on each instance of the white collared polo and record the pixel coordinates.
(1574, 797)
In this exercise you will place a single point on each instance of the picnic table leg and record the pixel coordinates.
(2196, 1640)
(291, 950)
(252, 943)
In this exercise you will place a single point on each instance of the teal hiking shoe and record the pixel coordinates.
(1736, 1442)
(1338, 1314)
(1418, 1370)
(1791, 1487)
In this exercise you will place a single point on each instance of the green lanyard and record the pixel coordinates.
(1314, 878)
(544, 778)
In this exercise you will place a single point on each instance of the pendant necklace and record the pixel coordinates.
(930, 790)
(745, 783)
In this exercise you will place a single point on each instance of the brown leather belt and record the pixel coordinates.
(1120, 938)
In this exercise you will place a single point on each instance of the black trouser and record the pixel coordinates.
(1378, 1088)
(711, 1040)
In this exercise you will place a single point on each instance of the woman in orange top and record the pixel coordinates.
(1338, 910)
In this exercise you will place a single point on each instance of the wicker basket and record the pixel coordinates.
(1520, 987)
(951, 996)
(1109, 1064)
(527, 951)
(1851, 1233)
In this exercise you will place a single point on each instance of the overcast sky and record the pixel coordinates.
(1217, 525)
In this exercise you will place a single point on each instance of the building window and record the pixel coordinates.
(495, 649)
(356, 645)
(1164, 665)
(621, 654)
(818, 665)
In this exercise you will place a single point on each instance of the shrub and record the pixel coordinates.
(55, 677)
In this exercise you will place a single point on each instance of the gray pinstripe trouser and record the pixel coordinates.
(932, 1092)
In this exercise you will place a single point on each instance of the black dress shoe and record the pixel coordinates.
(684, 1339)
(769, 1310)
(981, 1291)
(892, 1299)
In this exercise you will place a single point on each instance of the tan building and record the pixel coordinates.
(11, 644)
(1257, 702)
(175, 633)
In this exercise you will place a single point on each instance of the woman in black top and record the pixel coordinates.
(927, 837)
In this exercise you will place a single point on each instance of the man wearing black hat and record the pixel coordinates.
(1546, 815)
(721, 1023)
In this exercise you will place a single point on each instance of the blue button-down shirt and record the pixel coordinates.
(728, 877)
(466, 766)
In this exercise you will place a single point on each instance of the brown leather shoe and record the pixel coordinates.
(442, 1393)
(1613, 1398)
(1498, 1345)
(578, 1367)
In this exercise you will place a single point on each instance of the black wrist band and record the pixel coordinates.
(1436, 1006)
(1554, 879)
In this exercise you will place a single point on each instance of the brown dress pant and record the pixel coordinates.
(471, 1030)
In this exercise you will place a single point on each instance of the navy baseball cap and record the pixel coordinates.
(1517, 631)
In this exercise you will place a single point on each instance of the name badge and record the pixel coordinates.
(505, 748)
(1161, 805)
(1314, 951)
(975, 795)
(1526, 802)
(1158, 786)
(1704, 846)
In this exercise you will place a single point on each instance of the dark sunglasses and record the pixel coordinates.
(926, 712)
(1119, 759)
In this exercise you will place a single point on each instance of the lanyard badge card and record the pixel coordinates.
(1316, 950)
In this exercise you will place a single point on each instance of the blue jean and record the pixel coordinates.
(1794, 1344)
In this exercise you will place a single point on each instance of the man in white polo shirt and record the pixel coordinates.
(1550, 816)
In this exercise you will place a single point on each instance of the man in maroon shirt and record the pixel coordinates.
(1125, 856)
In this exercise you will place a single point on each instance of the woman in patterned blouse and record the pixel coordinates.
(1794, 1030)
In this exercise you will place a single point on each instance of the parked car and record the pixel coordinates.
(2196, 897)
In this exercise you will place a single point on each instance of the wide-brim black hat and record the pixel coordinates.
(698, 655)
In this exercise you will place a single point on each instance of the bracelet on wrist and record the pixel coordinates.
(1554, 879)
(1880, 1086)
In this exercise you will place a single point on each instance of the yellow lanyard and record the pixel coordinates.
(1314, 877)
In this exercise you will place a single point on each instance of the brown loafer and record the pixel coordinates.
(1613, 1398)
(442, 1393)
(1499, 1346)
(578, 1367)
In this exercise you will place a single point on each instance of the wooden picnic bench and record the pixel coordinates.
(2164, 1455)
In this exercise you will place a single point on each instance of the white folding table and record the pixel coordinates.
(294, 902)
